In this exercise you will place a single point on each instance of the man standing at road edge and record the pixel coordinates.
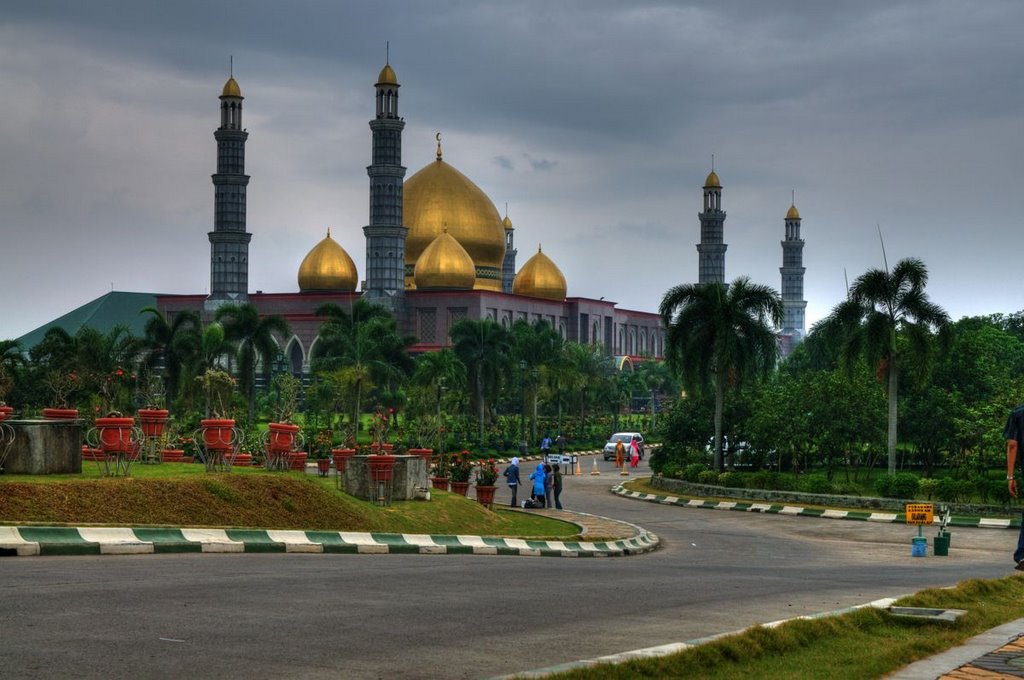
(1014, 435)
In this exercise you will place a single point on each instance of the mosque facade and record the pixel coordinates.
(437, 251)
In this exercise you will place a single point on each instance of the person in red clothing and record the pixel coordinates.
(634, 454)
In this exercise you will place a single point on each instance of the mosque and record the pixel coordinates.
(437, 251)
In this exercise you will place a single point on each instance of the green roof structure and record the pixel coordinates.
(103, 313)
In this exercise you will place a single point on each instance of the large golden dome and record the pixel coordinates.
(439, 197)
(793, 213)
(445, 265)
(231, 88)
(327, 267)
(540, 278)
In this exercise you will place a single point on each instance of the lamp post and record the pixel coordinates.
(522, 409)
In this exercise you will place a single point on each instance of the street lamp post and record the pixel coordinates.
(522, 409)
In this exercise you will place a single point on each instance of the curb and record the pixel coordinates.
(27, 541)
(800, 511)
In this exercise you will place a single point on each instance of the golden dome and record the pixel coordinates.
(793, 213)
(445, 265)
(712, 181)
(439, 197)
(387, 76)
(507, 223)
(328, 267)
(540, 278)
(231, 88)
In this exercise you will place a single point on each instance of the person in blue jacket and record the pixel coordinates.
(538, 485)
(512, 475)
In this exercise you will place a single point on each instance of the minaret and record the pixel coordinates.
(385, 235)
(508, 265)
(229, 241)
(792, 271)
(711, 249)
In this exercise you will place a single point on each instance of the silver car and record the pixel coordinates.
(626, 438)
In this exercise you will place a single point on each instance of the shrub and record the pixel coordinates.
(927, 487)
(693, 471)
(982, 487)
(707, 476)
(731, 479)
(816, 483)
(883, 486)
(950, 490)
(672, 470)
(768, 479)
(904, 485)
(1001, 493)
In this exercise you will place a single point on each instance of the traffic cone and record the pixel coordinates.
(624, 472)
(579, 472)
(594, 470)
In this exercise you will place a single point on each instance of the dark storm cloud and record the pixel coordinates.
(593, 119)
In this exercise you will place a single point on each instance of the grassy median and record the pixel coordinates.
(867, 643)
(178, 494)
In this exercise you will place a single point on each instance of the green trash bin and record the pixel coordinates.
(941, 545)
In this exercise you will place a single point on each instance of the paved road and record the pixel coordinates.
(421, 616)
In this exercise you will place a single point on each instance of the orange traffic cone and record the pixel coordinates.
(594, 470)
(579, 472)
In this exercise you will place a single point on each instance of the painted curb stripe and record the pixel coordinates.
(796, 510)
(213, 540)
(168, 541)
(59, 541)
(10, 539)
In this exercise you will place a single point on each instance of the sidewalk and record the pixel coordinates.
(998, 653)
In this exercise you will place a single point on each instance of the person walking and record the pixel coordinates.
(549, 486)
(1013, 433)
(557, 485)
(512, 477)
(634, 454)
(620, 454)
(538, 484)
(560, 444)
(545, 445)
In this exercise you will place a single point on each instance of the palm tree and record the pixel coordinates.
(441, 369)
(717, 335)
(169, 342)
(881, 308)
(254, 338)
(484, 348)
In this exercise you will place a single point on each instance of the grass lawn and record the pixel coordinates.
(867, 643)
(180, 494)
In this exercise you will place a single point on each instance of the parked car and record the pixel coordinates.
(626, 438)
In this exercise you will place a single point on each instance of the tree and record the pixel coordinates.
(253, 337)
(170, 343)
(485, 349)
(441, 369)
(882, 308)
(717, 336)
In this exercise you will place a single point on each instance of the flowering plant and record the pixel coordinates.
(487, 473)
(322, 444)
(462, 467)
(62, 385)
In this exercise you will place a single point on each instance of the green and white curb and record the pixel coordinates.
(800, 511)
(24, 541)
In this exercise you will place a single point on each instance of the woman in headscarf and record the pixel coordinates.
(538, 484)
(512, 477)
(634, 454)
(549, 486)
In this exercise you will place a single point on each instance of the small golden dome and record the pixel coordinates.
(387, 76)
(540, 278)
(507, 223)
(712, 181)
(328, 267)
(793, 213)
(231, 88)
(445, 265)
(439, 197)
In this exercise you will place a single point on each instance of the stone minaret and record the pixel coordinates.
(792, 271)
(229, 241)
(508, 265)
(711, 249)
(385, 234)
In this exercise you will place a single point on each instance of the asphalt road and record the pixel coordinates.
(446, 616)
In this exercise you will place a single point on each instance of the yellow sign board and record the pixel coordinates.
(920, 513)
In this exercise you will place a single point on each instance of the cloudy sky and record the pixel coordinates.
(595, 121)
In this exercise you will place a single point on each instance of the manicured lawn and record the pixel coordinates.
(867, 643)
(185, 495)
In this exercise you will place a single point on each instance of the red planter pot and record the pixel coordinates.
(92, 454)
(172, 455)
(341, 457)
(323, 466)
(282, 436)
(425, 454)
(485, 495)
(153, 421)
(382, 449)
(243, 459)
(116, 434)
(439, 483)
(460, 488)
(60, 413)
(218, 433)
(297, 461)
(6, 411)
(382, 468)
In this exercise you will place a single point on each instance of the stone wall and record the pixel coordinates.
(45, 447)
(409, 481)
